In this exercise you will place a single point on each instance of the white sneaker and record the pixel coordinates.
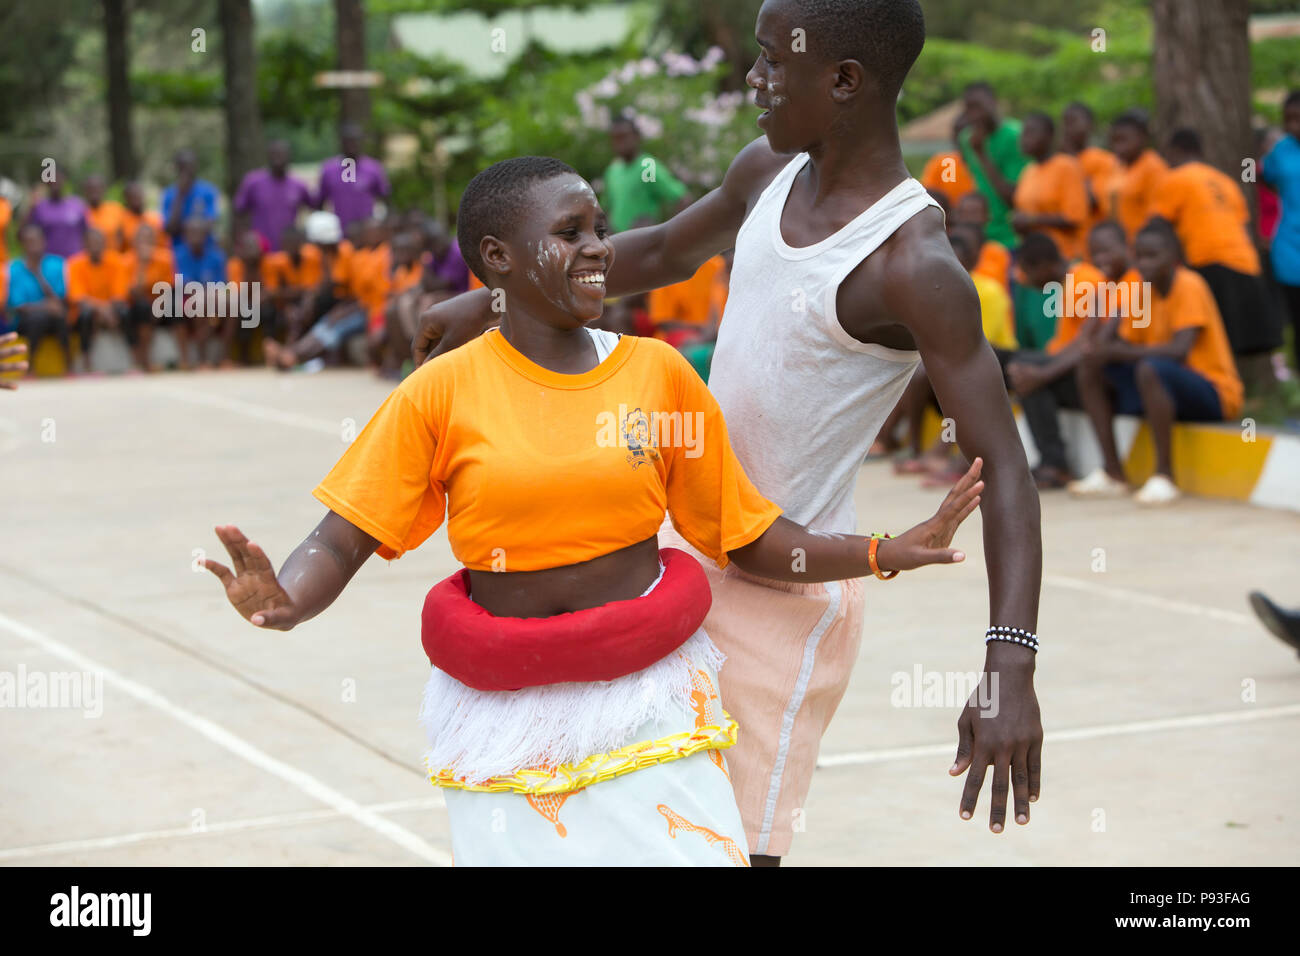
(1158, 490)
(1098, 484)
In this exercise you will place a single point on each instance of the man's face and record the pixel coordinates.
(144, 239)
(1034, 138)
(1039, 274)
(979, 108)
(1291, 120)
(32, 241)
(94, 243)
(196, 236)
(1127, 142)
(351, 142)
(1076, 126)
(93, 190)
(291, 241)
(1155, 258)
(1108, 252)
(133, 197)
(792, 88)
(277, 157)
(250, 247)
(972, 209)
(625, 141)
(562, 238)
(186, 167)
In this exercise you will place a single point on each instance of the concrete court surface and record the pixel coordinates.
(212, 743)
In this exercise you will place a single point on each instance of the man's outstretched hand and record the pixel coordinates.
(252, 588)
(1010, 741)
(451, 323)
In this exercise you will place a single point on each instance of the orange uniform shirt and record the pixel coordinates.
(1131, 192)
(1056, 187)
(235, 271)
(1099, 167)
(160, 267)
(105, 280)
(1190, 305)
(343, 271)
(474, 282)
(688, 301)
(994, 262)
(131, 223)
(534, 469)
(6, 214)
(948, 173)
(108, 218)
(1087, 292)
(1209, 213)
(282, 272)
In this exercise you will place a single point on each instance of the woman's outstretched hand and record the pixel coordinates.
(927, 543)
(252, 588)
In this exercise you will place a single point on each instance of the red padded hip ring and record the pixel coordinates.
(487, 652)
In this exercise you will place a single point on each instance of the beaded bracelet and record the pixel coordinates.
(1013, 635)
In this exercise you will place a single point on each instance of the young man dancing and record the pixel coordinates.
(843, 279)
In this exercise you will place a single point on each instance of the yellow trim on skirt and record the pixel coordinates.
(598, 767)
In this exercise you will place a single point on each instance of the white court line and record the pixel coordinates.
(1079, 733)
(1150, 600)
(228, 826)
(241, 748)
(251, 410)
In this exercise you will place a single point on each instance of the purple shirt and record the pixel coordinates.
(451, 267)
(272, 204)
(353, 197)
(63, 221)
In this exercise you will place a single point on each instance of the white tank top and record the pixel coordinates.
(803, 399)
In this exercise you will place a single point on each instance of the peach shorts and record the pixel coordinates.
(790, 650)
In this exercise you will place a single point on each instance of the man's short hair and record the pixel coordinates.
(1038, 249)
(1079, 106)
(1136, 118)
(885, 36)
(496, 198)
(1111, 226)
(1040, 117)
(1186, 140)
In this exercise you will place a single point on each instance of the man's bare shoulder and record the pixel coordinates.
(917, 264)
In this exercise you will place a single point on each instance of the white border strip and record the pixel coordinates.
(236, 745)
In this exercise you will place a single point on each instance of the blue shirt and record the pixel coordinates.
(1281, 170)
(24, 289)
(200, 201)
(208, 267)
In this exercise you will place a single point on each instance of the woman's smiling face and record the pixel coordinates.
(556, 261)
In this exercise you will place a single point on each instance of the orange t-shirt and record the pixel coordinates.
(1099, 166)
(534, 469)
(1056, 187)
(6, 213)
(344, 272)
(948, 173)
(108, 218)
(994, 262)
(1131, 192)
(1209, 214)
(688, 301)
(474, 282)
(161, 267)
(131, 223)
(1190, 305)
(235, 271)
(1087, 292)
(105, 280)
(281, 272)
(371, 279)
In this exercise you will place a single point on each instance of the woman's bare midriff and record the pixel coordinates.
(618, 576)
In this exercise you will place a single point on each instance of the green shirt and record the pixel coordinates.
(639, 188)
(1035, 325)
(1003, 148)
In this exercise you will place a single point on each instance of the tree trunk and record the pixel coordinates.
(350, 28)
(121, 143)
(1201, 62)
(244, 150)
